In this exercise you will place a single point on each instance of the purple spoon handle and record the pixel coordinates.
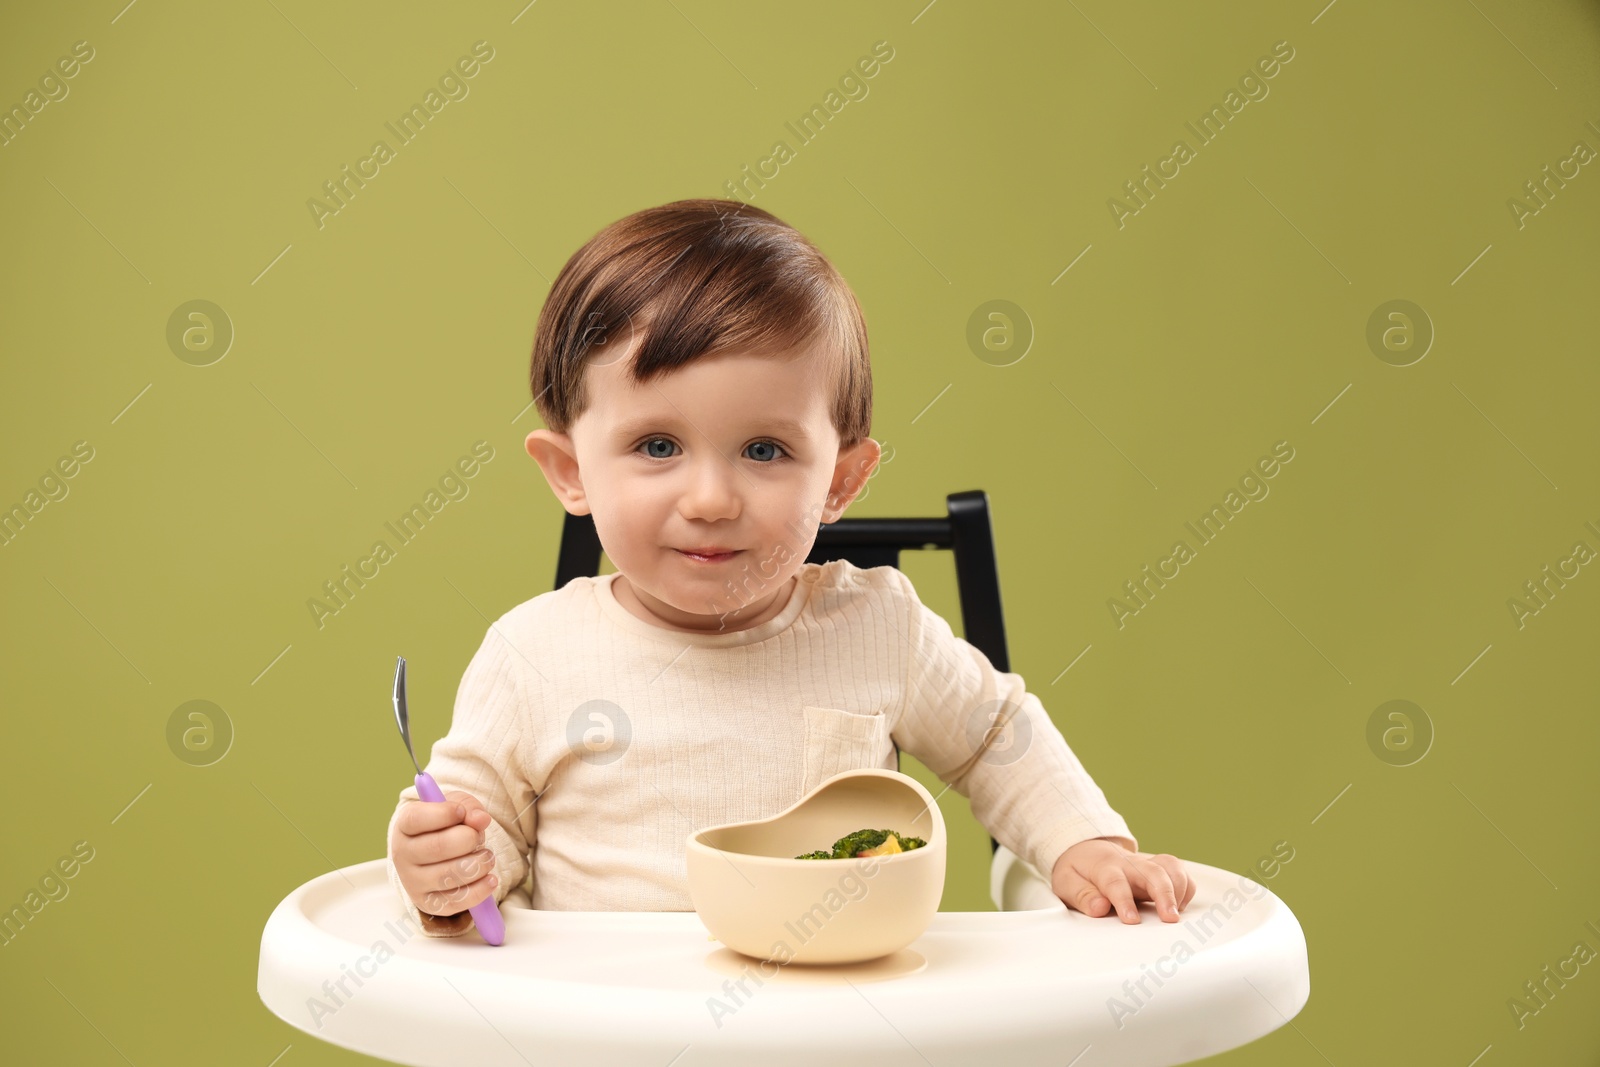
(486, 913)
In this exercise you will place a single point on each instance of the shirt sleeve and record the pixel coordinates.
(989, 739)
(483, 754)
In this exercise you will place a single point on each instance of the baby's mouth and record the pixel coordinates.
(710, 557)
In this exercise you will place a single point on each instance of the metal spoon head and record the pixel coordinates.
(400, 715)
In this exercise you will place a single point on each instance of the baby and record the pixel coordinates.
(702, 372)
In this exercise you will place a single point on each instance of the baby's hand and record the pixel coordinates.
(437, 851)
(1090, 872)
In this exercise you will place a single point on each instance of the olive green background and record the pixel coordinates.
(1230, 313)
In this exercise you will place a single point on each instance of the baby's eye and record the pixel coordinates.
(771, 450)
(765, 451)
(658, 441)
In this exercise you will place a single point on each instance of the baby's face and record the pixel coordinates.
(734, 452)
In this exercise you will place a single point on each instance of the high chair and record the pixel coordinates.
(1032, 984)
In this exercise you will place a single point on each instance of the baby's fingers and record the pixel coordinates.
(1158, 889)
(1114, 884)
(474, 814)
(1182, 885)
(458, 884)
(1076, 891)
(426, 816)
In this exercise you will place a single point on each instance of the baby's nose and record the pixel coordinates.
(711, 492)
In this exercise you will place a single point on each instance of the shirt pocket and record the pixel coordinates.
(838, 740)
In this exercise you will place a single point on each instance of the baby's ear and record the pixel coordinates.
(850, 475)
(558, 459)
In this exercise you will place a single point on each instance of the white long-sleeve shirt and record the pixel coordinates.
(631, 735)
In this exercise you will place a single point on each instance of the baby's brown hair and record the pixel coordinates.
(694, 278)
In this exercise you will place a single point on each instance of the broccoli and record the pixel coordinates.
(866, 843)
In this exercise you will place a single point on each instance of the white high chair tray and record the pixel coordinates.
(1047, 986)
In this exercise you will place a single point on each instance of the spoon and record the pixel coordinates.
(485, 913)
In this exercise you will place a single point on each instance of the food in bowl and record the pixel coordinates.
(866, 843)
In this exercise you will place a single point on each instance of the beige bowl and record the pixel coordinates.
(756, 898)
